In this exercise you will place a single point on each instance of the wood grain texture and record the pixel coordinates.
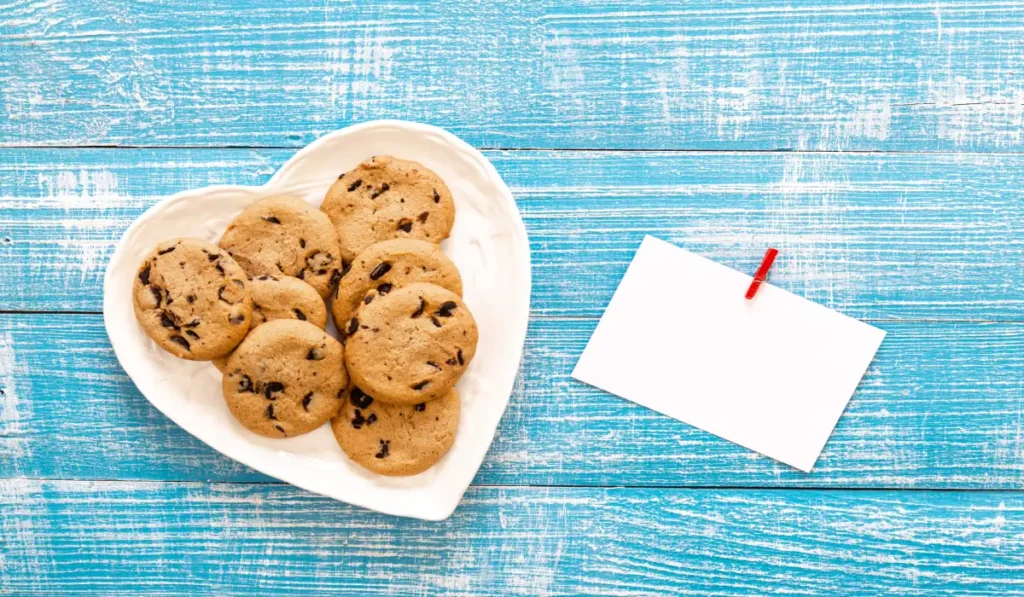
(103, 538)
(624, 74)
(940, 407)
(582, 493)
(893, 236)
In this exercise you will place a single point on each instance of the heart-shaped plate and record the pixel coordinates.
(489, 246)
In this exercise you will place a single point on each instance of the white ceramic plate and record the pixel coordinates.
(489, 246)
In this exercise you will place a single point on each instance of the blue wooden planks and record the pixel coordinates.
(100, 494)
(103, 538)
(938, 408)
(848, 75)
(890, 236)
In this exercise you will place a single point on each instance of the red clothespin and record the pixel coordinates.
(762, 272)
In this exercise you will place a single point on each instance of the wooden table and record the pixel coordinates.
(878, 145)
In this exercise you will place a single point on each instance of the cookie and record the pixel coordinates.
(282, 297)
(410, 345)
(285, 379)
(285, 236)
(385, 198)
(388, 265)
(391, 439)
(192, 299)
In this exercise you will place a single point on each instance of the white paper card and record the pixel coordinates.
(772, 374)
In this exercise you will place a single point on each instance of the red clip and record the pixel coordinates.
(762, 272)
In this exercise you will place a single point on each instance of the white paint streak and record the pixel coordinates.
(871, 121)
(12, 409)
(86, 189)
(75, 193)
(733, 106)
(564, 76)
(974, 110)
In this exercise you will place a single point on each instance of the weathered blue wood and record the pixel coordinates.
(899, 238)
(112, 538)
(613, 74)
(940, 407)
(904, 236)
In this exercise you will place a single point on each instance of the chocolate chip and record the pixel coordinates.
(353, 326)
(314, 354)
(144, 275)
(272, 219)
(435, 321)
(155, 291)
(421, 385)
(169, 299)
(405, 225)
(433, 364)
(220, 269)
(383, 449)
(370, 420)
(384, 289)
(355, 185)
(245, 384)
(306, 400)
(236, 319)
(342, 175)
(192, 323)
(422, 406)
(446, 308)
(220, 294)
(183, 342)
(273, 388)
(359, 399)
(191, 333)
(451, 361)
(461, 362)
(358, 420)
(423, 217)
(167, 322)
(302, 243)
(270, 412)
(380, 270)
(300, 315)
(383, 189)
(281, 429)
(368, 299)
(419, 311)
(335, 277)
(212, 256)
(166, 251)
(190, 298)
(437, 198)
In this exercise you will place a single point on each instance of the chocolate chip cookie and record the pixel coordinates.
(286, 236)
(282, 297)
(389, 265)
(410, 345)
(192, 299)
(385, 198)
(285, 379)
(391, 439)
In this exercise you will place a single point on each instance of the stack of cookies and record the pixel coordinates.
(255, 307)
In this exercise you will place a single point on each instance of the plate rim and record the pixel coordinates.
(520, 320)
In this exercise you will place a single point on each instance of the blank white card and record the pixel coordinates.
(772, 374)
